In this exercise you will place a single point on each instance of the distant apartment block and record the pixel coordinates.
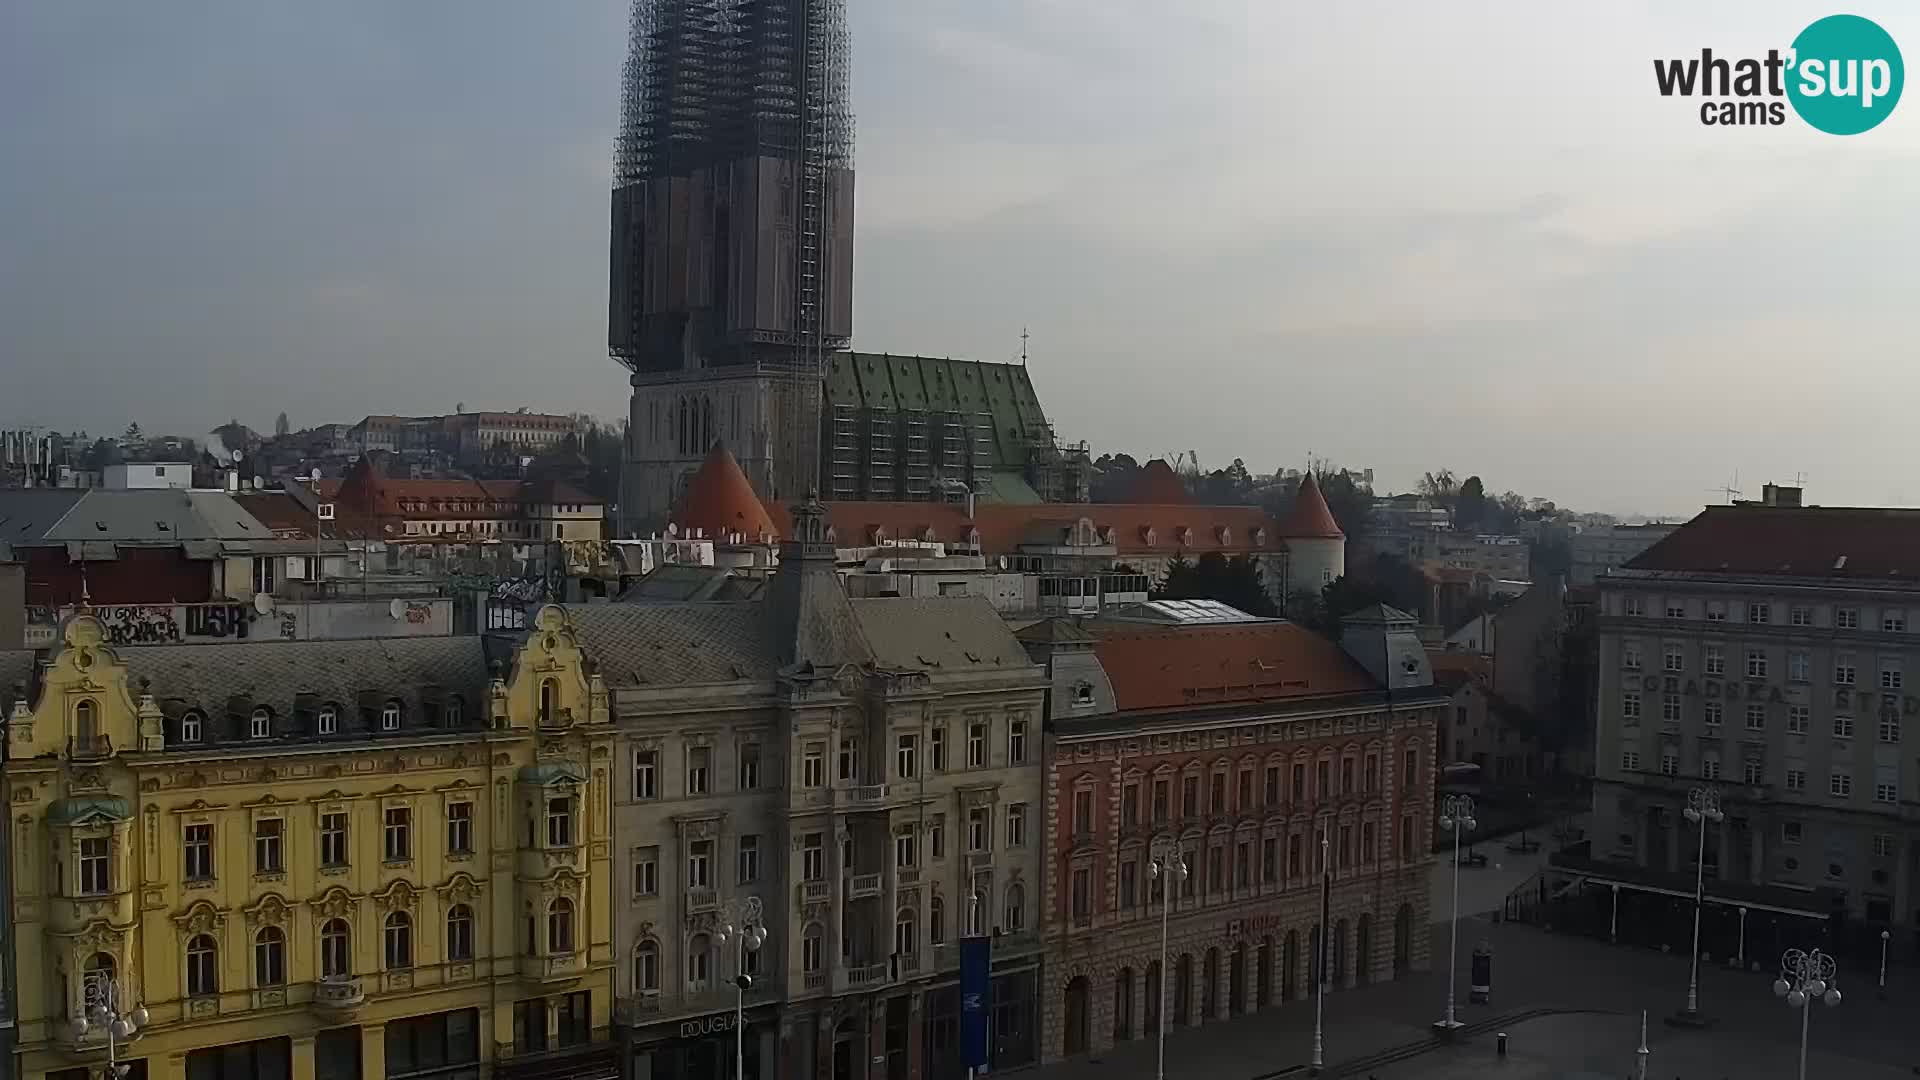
(1602, 548)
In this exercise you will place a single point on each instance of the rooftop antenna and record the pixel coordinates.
(1731, 488)
(1023, 346)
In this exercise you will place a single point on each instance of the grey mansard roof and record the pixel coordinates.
(938, 635)
(676, 644)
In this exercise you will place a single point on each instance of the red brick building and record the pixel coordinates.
(1243, 745)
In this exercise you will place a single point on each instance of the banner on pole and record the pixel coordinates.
(974, 959)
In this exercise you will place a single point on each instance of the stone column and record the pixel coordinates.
(303, 1058)
(373, 1051)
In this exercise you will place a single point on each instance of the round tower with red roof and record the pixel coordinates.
(719, 503)
(1316, 548)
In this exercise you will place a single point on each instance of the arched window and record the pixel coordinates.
(270, 957)
(191, 725)
(390, 716)
(260, 724)
(936, 920)
(335, 950)
(560, 926)
(459, 932)
(812, 948)
(86, 720)
(906, 935)
(96, 977)
(399, 941)
(1015, 917)
(452, 713)
(328, 722)
(698, 962)
(646, 968)
(203, 967)
(549, 700)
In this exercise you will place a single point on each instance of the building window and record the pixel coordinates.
(906, 936)
(549, 701)
(266, 846)
(1756, 717)
(560, 926)
(646, 764)
(1673, 659)
(1676, 609)
(270, 957)
(1017, 824)
(260, 724)
(560, 822)
(1796, 779)
(700, 864)
(1713, 712)
(1886, 793)
(1892, 675)
(1083, 813)
(1636, 607)
(1797, 717)
(1843, 671)
(698, 760)
(1630, 760)
(646, 871)
(399, 834)
(460, 828)
(1716, 611)
(191, 726)
(1843, 727)
(905, 849)
(333, 839)
(459, 933)
(1014, 919)
(1670, 708)
(1670, 762)
(937, 838)
(1630, 655)
(328, 722)
(748, 856)
(398, 938)
(906, 756)
(812, 948)
(1082, 895)
(203, 967)
(263, 575)
(813, 766)
(1716, 660)
(1129, 806)
(749, 771)
(1893, 622)
(1840, 784)
(849, 759)
(1800, 615)
(813, 858)
(1710, 767)
(1790, 832)
(979, 830)
(1630, 705)
(976, 746)
(390, 716)
(1017, 742)
(937, 749)
(697, 962)
(1882, 845)
(1846, 618)
(1756, 664)
(646, 968)
(1798, 667)
(1755, 773)
(199, 853)
(1161, 802)
(335, 955)
(1889, 725)
(1759, 613)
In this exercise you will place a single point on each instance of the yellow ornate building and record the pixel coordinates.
(348, 859)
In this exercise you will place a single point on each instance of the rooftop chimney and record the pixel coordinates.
(1776, 495)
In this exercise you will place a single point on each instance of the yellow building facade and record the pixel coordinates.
(374, 859)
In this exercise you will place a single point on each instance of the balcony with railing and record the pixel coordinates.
(552, 967)
(89, 747)
(338, 996)
(862, 796)
(861, 886)
(702, 900)
(861, 975)
(814, 892)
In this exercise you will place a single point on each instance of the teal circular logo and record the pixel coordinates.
(1846, 75)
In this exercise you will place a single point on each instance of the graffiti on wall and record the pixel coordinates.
(163, 624)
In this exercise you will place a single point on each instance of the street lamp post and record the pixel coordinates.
(1805, 976)
(1703, 806)
(1325, 952)
(1742, 963)
(1885, 936)
(1164, 863)
(1456, 816)
(102, 1010)
(1641, 1054)
(741, 923)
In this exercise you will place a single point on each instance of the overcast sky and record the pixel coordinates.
(1397, 235)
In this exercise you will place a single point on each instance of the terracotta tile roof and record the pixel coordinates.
(1860, 544)
(1161, 668)
(1132, 528)
(1310, 519)
(1156, 483)
(720, 500)
(1454, 669)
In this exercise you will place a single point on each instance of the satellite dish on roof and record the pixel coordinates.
(396, 608)
(237, 456)
(263, 603)
(1003, 562)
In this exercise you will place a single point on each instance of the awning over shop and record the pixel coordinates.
(1816, 903)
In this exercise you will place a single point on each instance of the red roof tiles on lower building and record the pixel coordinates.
(1858, 544)
(1209, 665)
(1003, 528)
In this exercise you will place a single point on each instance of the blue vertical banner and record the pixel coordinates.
(975, 957)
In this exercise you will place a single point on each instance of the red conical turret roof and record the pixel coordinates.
(1310, 519)
(719, 500)
(1156, 484)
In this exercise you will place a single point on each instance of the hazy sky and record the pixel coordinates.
(1397, 235)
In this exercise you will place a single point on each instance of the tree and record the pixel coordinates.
(281, 427)
(1236, 582)
(1470, 505)
(1439, 486)
(1113, 477)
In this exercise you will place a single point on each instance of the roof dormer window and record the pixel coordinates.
(328, 721)
(191, 726)
(260, 724)
(390, 716)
